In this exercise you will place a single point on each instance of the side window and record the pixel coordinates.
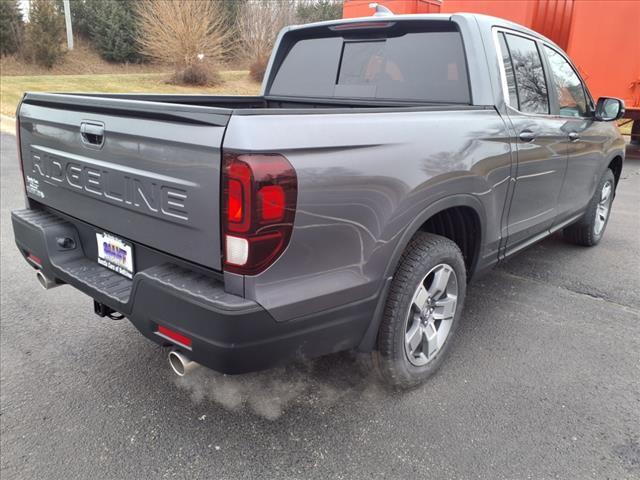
(530, 81)
(508, 70)
(571, 97)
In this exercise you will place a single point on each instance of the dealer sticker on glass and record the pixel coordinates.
(115, 254)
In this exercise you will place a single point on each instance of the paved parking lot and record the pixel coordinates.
(543, 383)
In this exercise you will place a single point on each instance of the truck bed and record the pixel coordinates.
(146, 167)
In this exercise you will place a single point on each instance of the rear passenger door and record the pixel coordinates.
(540, 142)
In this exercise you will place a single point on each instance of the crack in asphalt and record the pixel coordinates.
(628, 175)
(625, 307)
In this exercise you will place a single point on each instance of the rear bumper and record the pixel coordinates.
(229, 334)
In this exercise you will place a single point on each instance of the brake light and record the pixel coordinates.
(271, 200)
(259, 193)
(361, 25)
(235, 201)
(239, 187)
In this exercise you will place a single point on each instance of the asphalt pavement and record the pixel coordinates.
(543, 382)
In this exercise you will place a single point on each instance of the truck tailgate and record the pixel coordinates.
(145, 171)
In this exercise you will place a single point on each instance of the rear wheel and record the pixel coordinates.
(422, 311)
(588, 231)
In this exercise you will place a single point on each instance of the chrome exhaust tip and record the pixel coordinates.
(180, 363)
(46, 282)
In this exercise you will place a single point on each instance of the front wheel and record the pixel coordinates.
(588, 231)
(422, 311)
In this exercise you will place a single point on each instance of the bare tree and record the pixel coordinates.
(309, 11)
(190, 35)
(258, 25)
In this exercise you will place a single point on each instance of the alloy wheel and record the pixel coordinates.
(603, 208)
(431, 314)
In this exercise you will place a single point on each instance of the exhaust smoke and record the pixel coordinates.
(317, 384)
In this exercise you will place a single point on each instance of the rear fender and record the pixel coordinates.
(368, 342)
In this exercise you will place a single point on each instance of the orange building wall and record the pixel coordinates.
(519, 11)
(360, 8)
(605, 45)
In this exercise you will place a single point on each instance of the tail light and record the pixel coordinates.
(259, 193)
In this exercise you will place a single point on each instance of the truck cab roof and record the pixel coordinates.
(484, 21)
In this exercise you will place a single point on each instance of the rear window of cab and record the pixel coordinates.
(378, 64)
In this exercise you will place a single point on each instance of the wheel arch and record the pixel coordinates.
(615, 165)
(457, 201)
(454, 201)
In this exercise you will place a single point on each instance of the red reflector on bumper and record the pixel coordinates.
(175, 336)
(35, 260)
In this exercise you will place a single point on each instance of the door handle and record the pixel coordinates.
(92, 133)
(573, 136)
(527, 136)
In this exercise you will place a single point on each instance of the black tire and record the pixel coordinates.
(584, 231)
(425, 254)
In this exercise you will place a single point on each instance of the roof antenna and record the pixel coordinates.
(381, 10)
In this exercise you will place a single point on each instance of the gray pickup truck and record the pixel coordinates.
(387, 162)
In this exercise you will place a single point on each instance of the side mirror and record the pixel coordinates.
(609, 109)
